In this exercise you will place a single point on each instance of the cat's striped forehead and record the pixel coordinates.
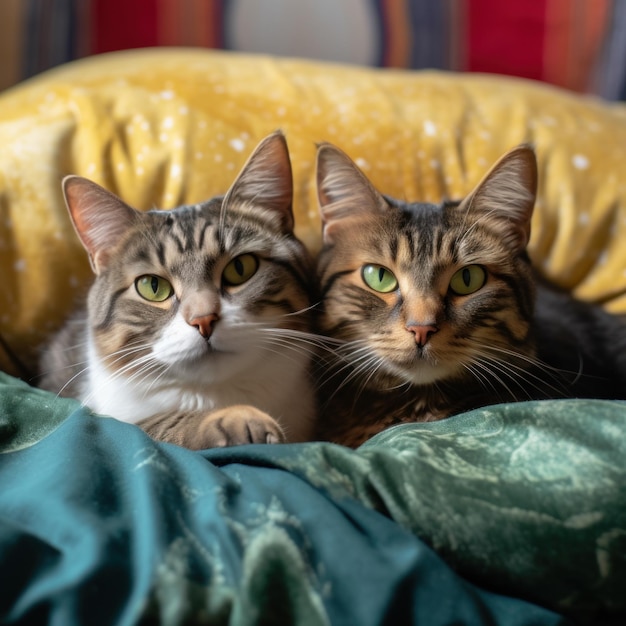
(196, 236)
(413, 236)
(421, 235)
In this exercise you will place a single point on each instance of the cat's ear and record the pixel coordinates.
(343, 191)
(266, 180)
(100, 218)
(505, 197)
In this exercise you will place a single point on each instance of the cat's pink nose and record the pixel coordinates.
(422, 332)
(205, 324)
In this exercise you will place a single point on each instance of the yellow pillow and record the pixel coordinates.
(164, 127)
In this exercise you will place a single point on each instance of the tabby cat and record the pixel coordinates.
(196, 325)
(438, 309)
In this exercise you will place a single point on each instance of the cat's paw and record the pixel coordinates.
(237, 425)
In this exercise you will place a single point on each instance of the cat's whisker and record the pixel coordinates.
(482, 379)
(313, 345)
(298, 335)
(135, 364)
(272, 349)
(72, 366)
(120, 355)
(287, 348)
(76, 376)
(157, 379)
(517, 374)
(374, 365)
(368, 363)
(533, 361)
(297, 349)
(351, 349)
(144, 367)
(307, 309)
(466, 233)
(519, 371)
(351, 359)
(484, 373)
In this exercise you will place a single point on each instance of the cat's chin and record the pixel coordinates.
(210, 366)
(421, 374)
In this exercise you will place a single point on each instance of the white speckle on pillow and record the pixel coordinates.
(580, 161)
(237, 144)
(362, 163)
(430, 129)
(19, 265)
(583, 219)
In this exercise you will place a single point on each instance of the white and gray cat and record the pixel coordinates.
(196, 326)
(438, 309)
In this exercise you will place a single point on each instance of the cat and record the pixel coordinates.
(197, 323)
(439, 309)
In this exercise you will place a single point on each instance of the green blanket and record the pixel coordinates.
(512, 515)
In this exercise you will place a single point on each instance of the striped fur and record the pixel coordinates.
(152, 362)
(422, 352)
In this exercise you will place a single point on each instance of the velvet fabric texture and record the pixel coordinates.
(522, 503)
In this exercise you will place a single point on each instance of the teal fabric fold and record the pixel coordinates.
(28, 414)
(526, 498)
(510, 515)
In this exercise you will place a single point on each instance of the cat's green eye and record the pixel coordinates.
(240, 269)
(153, 288)
(468, 280)
(379, 278)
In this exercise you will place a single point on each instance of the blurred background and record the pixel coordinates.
(576, 44)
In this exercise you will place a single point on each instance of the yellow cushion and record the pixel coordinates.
(169, 126)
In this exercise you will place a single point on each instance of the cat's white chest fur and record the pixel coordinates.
(276, 382)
